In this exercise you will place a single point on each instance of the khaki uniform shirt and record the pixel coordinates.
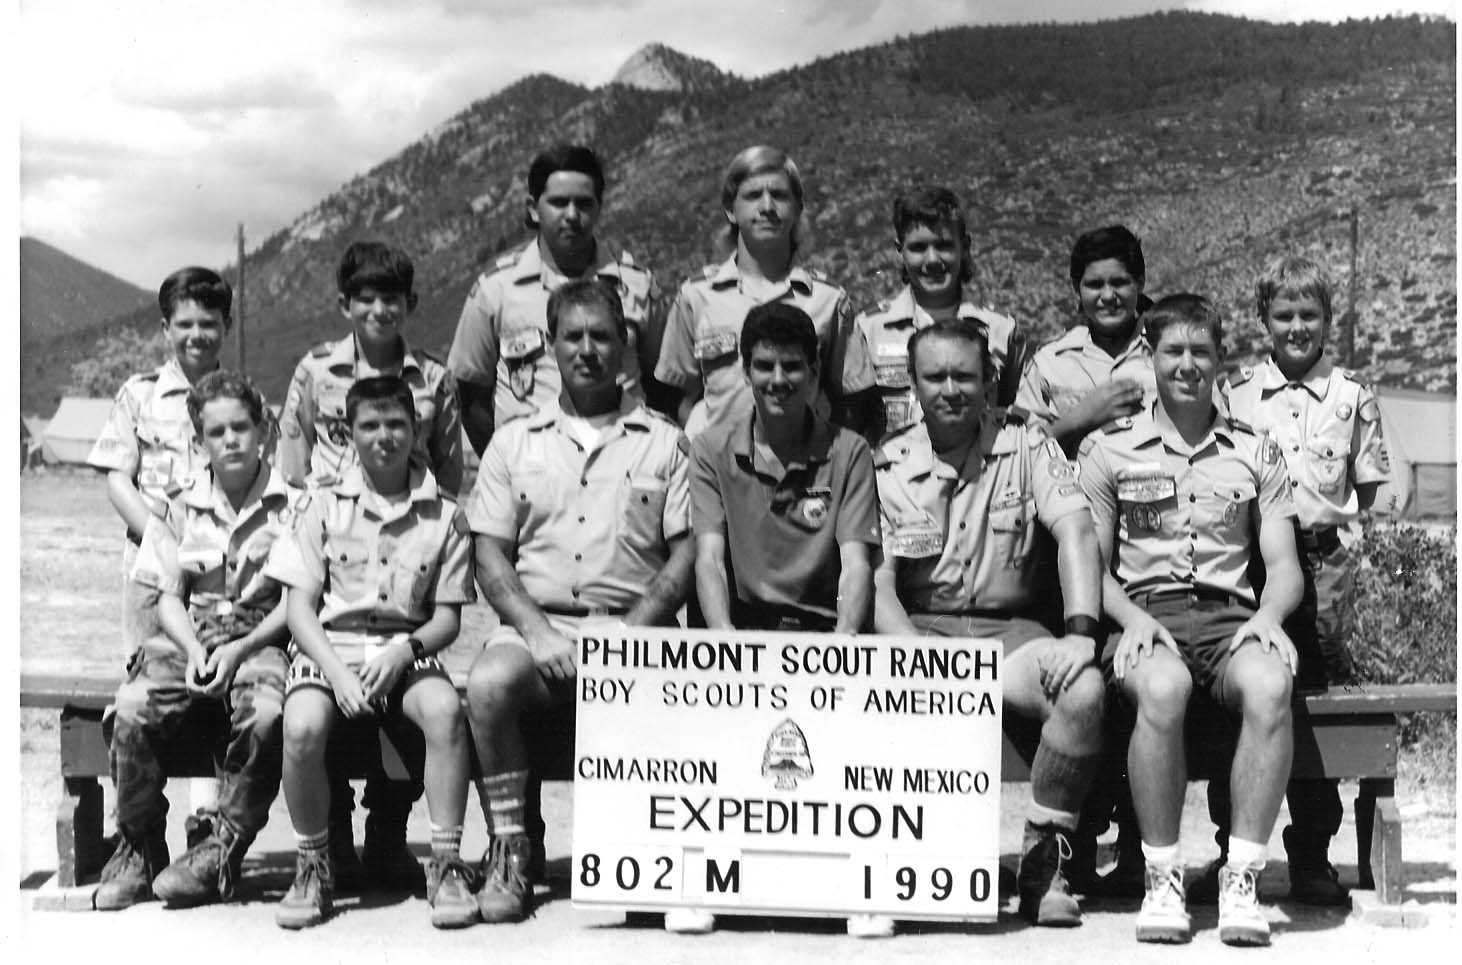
(784, 525)
(315, 446)
(887, 330)
(1064, 371)
(964, 539)
(592, 527)
(1184, 517)
(502, 336)
(703, 341)
(383, 566)
(199, 549)
(1328, 427)
(149, 436)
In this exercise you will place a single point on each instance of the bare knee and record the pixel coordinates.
(1264, 686)
(306, 727)
(442, 722)
(495, 683)
(1084, 701)
(1162, 693)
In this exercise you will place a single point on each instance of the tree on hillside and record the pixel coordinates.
(114, 357)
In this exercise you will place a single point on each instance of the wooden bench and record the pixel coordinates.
(1350, 734)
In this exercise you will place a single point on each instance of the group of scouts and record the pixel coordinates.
(1130, 525)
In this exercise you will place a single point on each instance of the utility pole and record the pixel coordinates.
(1352, 318)
(239, 304)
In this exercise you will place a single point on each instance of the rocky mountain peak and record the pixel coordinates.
(661, 68)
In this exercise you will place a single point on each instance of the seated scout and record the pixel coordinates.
(784, 504)
(959, 498)
(581, 511)
(217, 668)
(377, 569)
(375, 295)
(933, 241)
(1183, 496)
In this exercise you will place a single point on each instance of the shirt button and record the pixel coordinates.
(383, 597)
(963, 526)
(578, 557)
(581, 519)
(584, 481)
(1294, 448)
(575, 591)
(383, 561)
(1294, 482)
(1192, 498)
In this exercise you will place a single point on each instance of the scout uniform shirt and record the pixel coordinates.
(784, 525)
(383, 565)
(502, 336)
(1065, 370)
(316, 446)
(591, 525)
(1328, 428)
(703, 341)
(1185, 518)
(965, 538)
(149, 436)
(198, 549)
(887, 330)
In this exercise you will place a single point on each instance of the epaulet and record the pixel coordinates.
(657, 414)
(1244, 374)
(516, 417)
(320, 351)
(886, 454)
(1119, 424)
(459, 520)
(710, 271)
(625, 258)
(433, 356)
(144, 376)
(817, 274)
(1355, 377)
(1016, 416)
(508, 259)
(1242, 426)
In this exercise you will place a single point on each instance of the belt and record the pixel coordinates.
(1324, 540)
(767, 617)
(585, 611)
(1197, 594)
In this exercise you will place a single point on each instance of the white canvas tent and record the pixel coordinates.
(72, 431)
(1421, 435)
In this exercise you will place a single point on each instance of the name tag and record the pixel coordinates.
(916, 542)
(715, 345)
(1146, 483)
(892, 375)
(523, 344)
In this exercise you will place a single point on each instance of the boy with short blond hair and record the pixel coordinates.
(377, 569)
(1327, 425)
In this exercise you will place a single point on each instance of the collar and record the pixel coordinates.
(268, 488)
(992, 440)
(632, 413)
(530, 266)
(728, 275)
(1079, 339)
(903, 310)
(1150, 428)
(345, 354)
(171, 380)
(421, 483)
(816, 447)
(1316, 381)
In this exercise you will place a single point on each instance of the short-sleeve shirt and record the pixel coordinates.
(1184, 517)
(887, 330)
(501, 343)
(315, 444)
(1064, 371)
(149, 436)
(783, 525)
(1328, 428)
(382, 565)
(202, 551)
(591, 526)
(964, 539)
(702, 344)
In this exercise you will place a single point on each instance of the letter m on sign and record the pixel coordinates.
(717, 882)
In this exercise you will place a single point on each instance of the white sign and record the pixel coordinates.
(787, 773)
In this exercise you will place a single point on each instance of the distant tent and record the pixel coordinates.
(72, 431)
(32, 441)
(1421, 435)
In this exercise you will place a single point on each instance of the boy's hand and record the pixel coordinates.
(554, 654)
(383, 672)
(1267, 632)
(1109, 401)
(198, 675)
(222, 664)
(350, 696)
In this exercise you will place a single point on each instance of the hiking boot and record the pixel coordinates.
(349, 875)
(386, 860)
(449, 892)
(1045, 897)
(1240, 919)
(206, 872)
(1164, 914)
(198, 826)
(308, 901)
(507, 891)
(127, 877)
(1204, 891)
(870, 926)
(1313, 880)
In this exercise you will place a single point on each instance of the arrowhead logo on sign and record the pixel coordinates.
(786, 755)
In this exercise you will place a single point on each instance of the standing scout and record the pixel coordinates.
(217, 668)
(1183, 498)
(581, 511)
(500, 354)
(933, 242)
(1327, 425)
(761, 199)
(378, 568)
(374, 284)
(959, 498)
(784, 505)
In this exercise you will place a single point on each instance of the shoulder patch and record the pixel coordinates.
(1243, 375)
(459, 521)
(1369, 410)
(320, 351)
(1088, 443)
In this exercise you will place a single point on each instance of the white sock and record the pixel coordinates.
(1246, 854)
(1166, 856)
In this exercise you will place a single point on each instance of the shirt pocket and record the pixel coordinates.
(348, 566)
(1328, 458)
(413, 573)
(1224, 509)
(1146, 499)
(1011, 529)
(644, 511)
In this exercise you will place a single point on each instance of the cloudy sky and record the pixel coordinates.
(150, 128)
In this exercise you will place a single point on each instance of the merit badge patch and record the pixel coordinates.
(338, 431)
(892, 375)
(1344, 412)
(814, 509)
(715, 345)
(523, 344)
(1369, 411)
(1146, 488)
(1272, 454)
(898, 413)
(1144, 518)
(1062, 469)
(1231, 513)
(917, 541)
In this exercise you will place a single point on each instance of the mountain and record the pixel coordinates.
(61, 294)
(1220, 141)
(657, 67)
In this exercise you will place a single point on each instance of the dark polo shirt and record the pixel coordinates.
(783, 524)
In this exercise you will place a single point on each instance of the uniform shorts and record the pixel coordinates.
(1202, 628)
(305, 672)
(1012, 632)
